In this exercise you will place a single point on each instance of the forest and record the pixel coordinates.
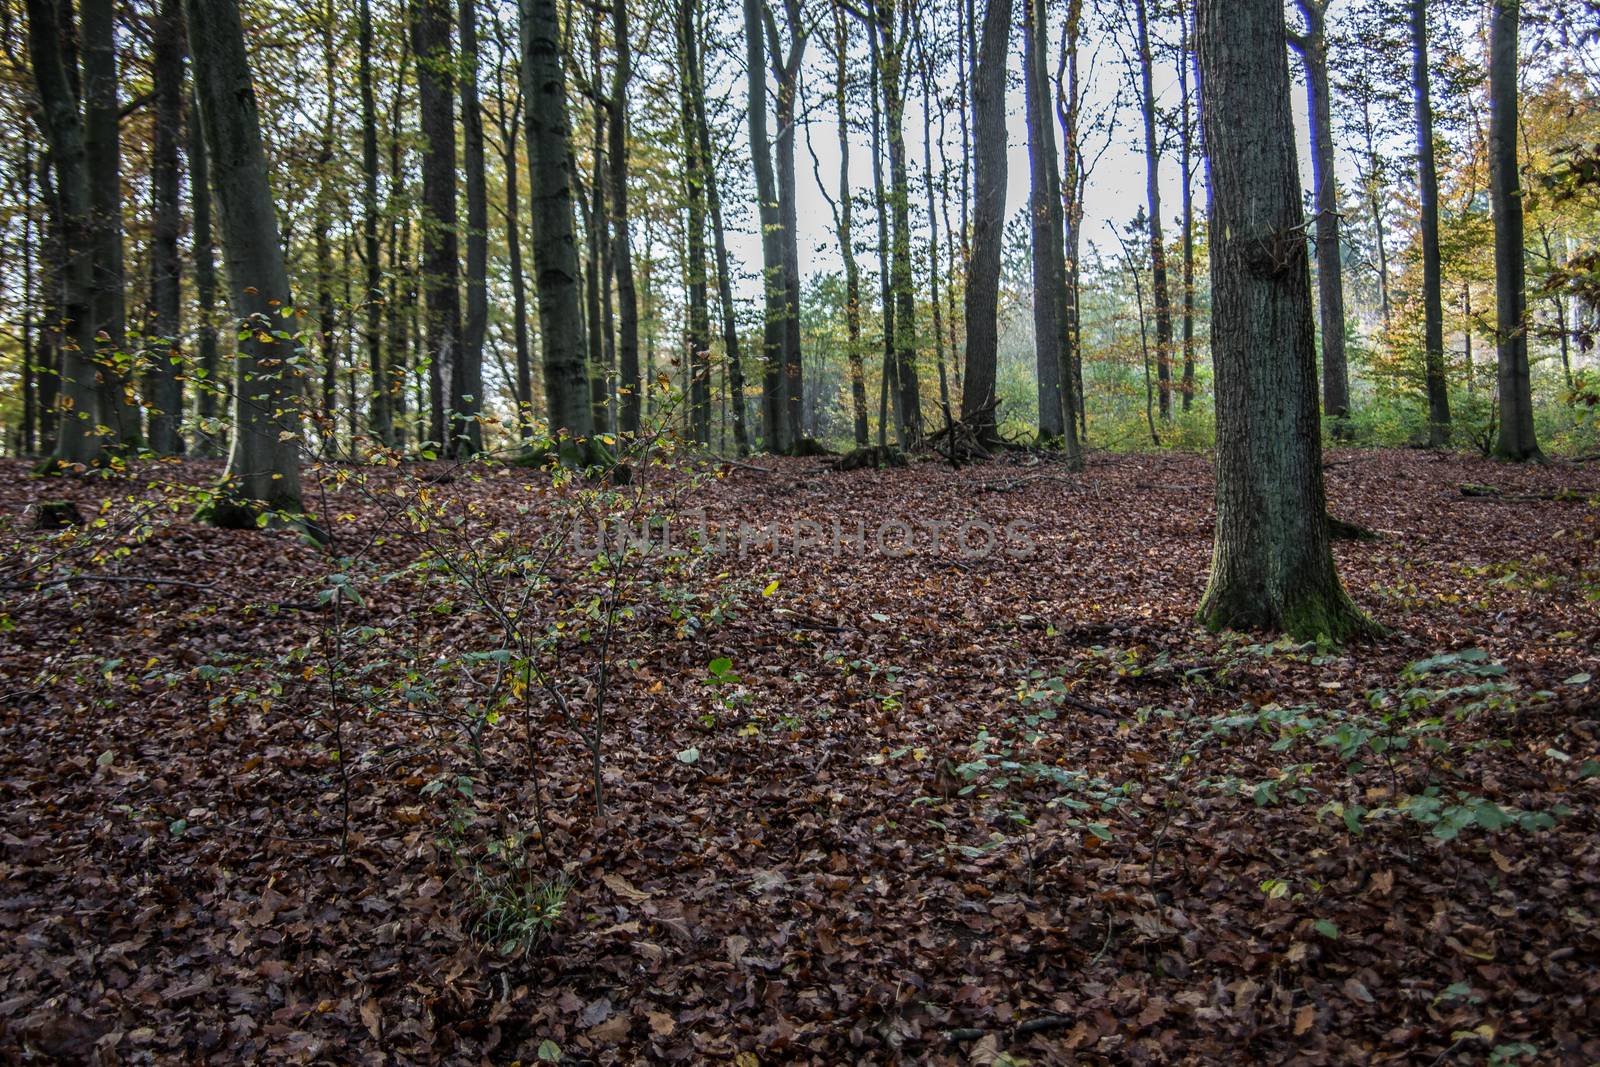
(799, 531)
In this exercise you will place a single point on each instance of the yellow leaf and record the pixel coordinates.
(771, 588)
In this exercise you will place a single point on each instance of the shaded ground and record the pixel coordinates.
(809, 862)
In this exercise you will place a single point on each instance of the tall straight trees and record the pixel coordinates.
(204, 253)
(441, 267)
(263, 466)
(79, 398)
(893, 22)
(551, 179)
(694, 181)
(163, 388)
(1516, 440)
(988, 218)
(1271, 567)
(844, 224)
(786, 67)
(1160, 290)
(1428, 199)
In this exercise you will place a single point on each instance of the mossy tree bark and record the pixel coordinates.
(1272, 568)
(988, 218)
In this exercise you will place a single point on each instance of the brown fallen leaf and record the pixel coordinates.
(1304, 1019)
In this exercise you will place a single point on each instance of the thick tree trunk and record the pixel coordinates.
(1312, 46)
(1516, 440)
(379, 422)
(1044, 210)
(103, 152)
(441, 261)
(163, 387)
(79, 396)
(1272, 567)
(775, 411)
(1160, 291)
(1428, 196)
(268, 389)
(466, 378)
(555, 252)
(988, 218)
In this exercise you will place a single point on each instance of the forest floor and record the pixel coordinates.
(860, 806)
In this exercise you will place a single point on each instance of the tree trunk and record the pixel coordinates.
(907, 398)
(519, 289)
(1428, 196)
(163, 388)
(730, 327)
(441, 266)
(628, 384)
(79, 396)
(933, 224)
(774, 408)
(844, 219)
(1186, 177)
(1313, 49)
(695, 169)
(466, 378)
(322, 224)
(1044, 209)
(379, 423)
(886, 386)
(209, 434)
(788, 71)
(555, 252)
(1271, 567)
(103, 152)
(1516, 439)
(988, 218)
(1069, 110)
(30, 409)
(268, 389)
(1159, 290)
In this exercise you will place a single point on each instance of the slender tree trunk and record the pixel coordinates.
(79, 396)
(933, 227)
(1516, 440)
(103, 151)
(1272, 567)
(551, 174)
(209, 434)
(628, 384)
(886, 386)
(695, 169)
(775, 409)
(30, 409)
(730, 327)
(48, 356)
(1428, 195)
(907, 399)
(1044, 208)
(1159, 290)
(441, 260)
(163, 386)
(322, 223)
(843, 219)
(264, 463)
(1069, 110)
(466, 377)
(788, 70)
(1186, 177)
(1312, 46)
(519, 289)
(988, 218)
(379, 423)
